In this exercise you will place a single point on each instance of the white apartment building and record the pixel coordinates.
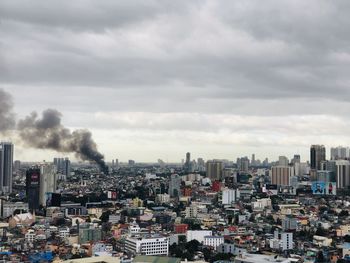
(191, 211)
(163, 198)
(229, 196)
(134, 229)
(198, 235)
(149, 246)
(261, 204)
(285, 240)
(213, 241)
(64, 233)
(30, 236)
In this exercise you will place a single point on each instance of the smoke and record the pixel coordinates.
(7, 117)
(47, 132)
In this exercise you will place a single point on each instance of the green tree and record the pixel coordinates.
(320, 257)
(105, 216)
(193, 245)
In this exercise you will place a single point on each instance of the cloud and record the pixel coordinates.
(277, 69)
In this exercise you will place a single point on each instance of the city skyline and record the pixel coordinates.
(155, 80)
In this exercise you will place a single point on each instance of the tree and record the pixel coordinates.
(105, 216)
(347, 239)
(321, 231)
(320, 257)
(193, 245)
(344, 213)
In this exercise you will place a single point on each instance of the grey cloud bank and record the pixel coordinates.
(277, 70)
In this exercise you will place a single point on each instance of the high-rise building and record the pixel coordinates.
(317, 155)
(6, 166)
(281, 175)
(340, 152)
(296, 159)
(214, 170)
(188, 163)
(325, 176)
(63, 166)
(48, 181)
(201, 165)
(16, 166)
(283, 161)
(175, 185)
(33, 187)
(243, 164)
(253, 159)
(342, 173)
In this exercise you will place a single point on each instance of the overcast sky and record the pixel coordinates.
(155, 79)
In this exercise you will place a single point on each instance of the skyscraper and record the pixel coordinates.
(281, 175)
(339, 152)
(317, 155)
(6, 166)
(63, 165)
(343, 173)
(214, 170)
(188, 164)
(48, 181)
(33, 187)
(175, 185)
(283, 161)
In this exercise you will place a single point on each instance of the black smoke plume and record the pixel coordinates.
(48, 132)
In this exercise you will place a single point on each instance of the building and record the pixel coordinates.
(342, 173)
(6, 167)
(175, 185)
(89, 233)
(63, 166)
(325, 176)
(48, 181)
(339, 152)
(280, 175)
(289, 223)
(33, 187)
(214, 170)
(8, 208)
(283, 161)
(257, 258)
(180, 228)
(162, 198)
(213, 241)
(229, 196)
(188, 163)
(30, 236)
(285, 239)
(198, 235)
(317, 155)
(296, 159)
(16, 166)
(149, 246)
(216, 186)
(191, 211)
(243, 164)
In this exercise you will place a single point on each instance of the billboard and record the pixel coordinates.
(34, 177)
(324, 188)
(270, 189)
